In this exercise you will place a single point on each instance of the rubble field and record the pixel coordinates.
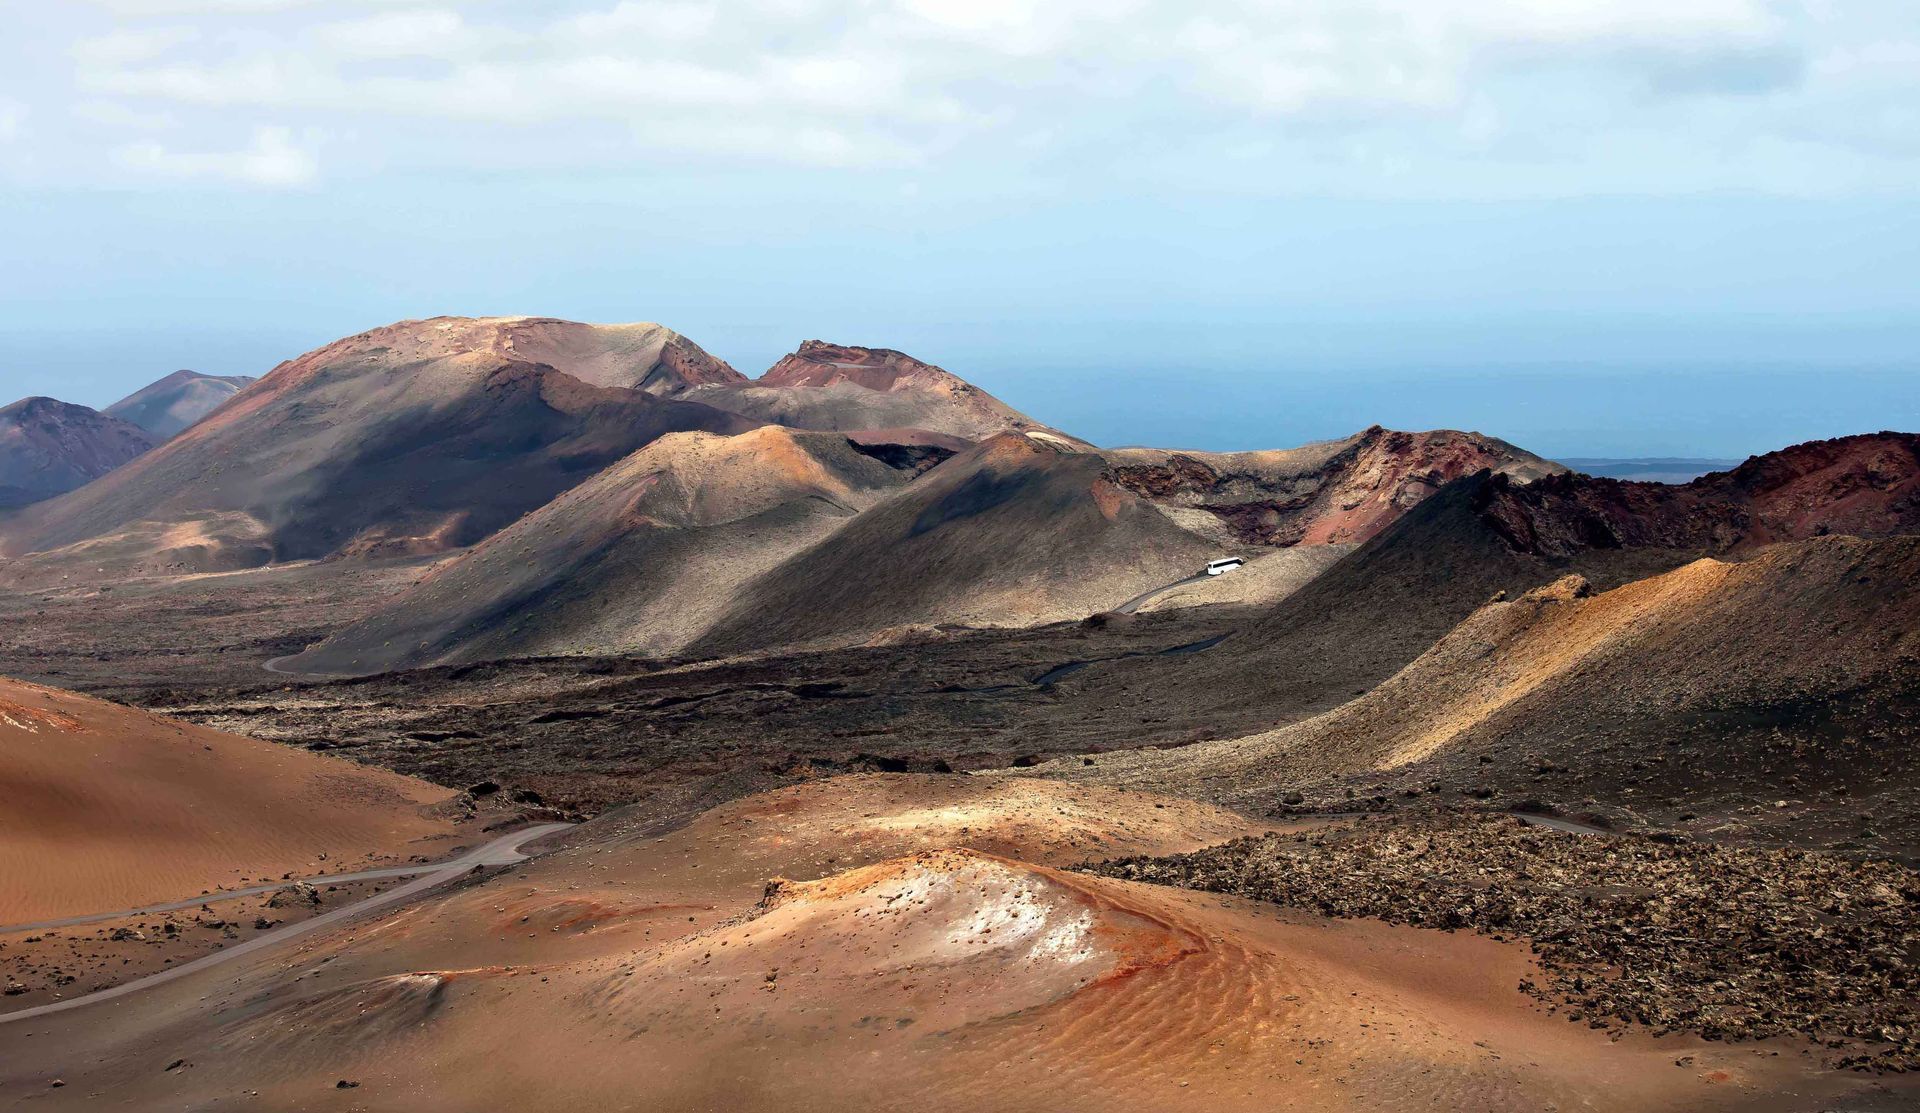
(1727, 942)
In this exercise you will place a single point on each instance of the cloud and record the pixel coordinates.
(115, 114)
(13, 118)
(127, 46)
(227, 7)
(424, 32)
(1370, 84)
(274, 160)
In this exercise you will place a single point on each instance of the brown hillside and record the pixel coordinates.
(110, 808)
(417, 437)
(1390, 600)
(1337, 492)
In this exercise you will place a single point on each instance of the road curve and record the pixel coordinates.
(226, 894)
(1141, 600)
(503, 851)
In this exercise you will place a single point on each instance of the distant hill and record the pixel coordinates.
(165, 407)
(417, 437)
(49, 447)
(710, 545)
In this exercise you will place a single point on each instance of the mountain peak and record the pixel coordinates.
(817, 363)
(169, 405)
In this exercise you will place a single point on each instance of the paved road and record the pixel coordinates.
(503, 851)
(227, 894)
(1141, 600)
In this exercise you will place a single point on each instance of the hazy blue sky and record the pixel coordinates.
(1594, 227)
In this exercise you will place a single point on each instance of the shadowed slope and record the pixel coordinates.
(1012, 533)
(1363, 619)
(637, 559)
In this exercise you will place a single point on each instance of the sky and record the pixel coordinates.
(1592, 227)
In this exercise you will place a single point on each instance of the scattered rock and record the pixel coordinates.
(1729, 942)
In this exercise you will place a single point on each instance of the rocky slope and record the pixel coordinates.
(1738, 943)
(166, 407)
(638, 559)
(1868, 485)
(1337, 492)
(48, 448)
(417, 437)
(1028, 529)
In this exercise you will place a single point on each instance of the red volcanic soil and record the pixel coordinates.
(888, 968)
(607, 355)
(49, 447)
(110, 808)
(1867, 485)
(820, 364)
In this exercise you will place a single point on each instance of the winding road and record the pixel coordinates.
(503, 851)
(1145, 597)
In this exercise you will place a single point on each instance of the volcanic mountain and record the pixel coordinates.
(1794, 674)
(165, 407)
(412, 438)
(48, 448)
(1024, 529)
(738, 534)
(848, 389)
(639, 559)
(1394, 597)
(1013, 532)
(111, 808)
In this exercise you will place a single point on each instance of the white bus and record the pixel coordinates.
(1223, 565)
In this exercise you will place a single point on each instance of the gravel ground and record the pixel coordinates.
(1730, 943)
